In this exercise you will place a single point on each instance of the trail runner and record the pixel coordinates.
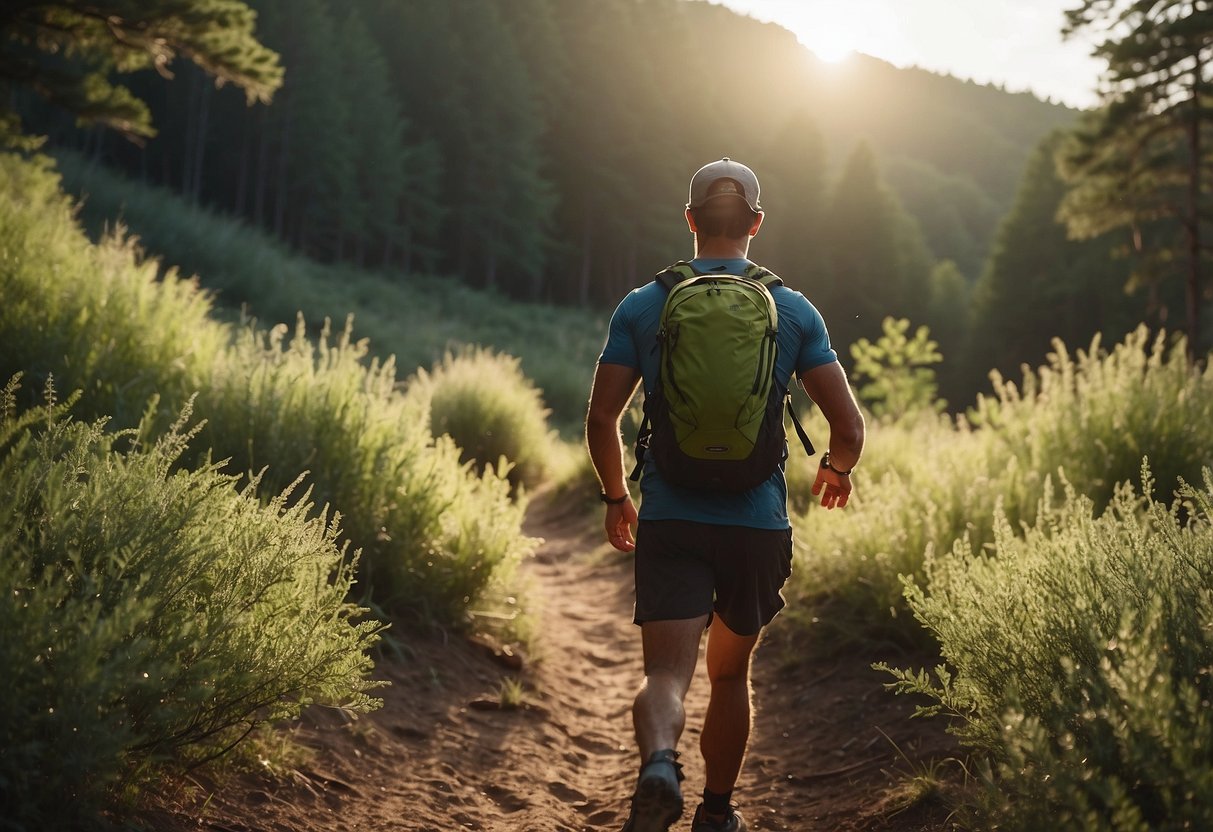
(708, 560)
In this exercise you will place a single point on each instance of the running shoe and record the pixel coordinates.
(657, 801)
(733, 823)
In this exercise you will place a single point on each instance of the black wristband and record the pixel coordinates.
(825, 463)
(612, 501)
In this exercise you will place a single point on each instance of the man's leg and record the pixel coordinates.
(726, 729)
(671, 650)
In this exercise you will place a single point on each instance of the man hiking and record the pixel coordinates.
(708, 555)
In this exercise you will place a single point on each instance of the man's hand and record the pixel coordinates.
(620, 520)
(834, 488)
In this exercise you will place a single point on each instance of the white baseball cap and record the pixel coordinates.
(739, 181)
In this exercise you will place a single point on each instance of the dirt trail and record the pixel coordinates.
(444, 755)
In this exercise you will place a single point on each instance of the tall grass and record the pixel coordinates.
(418, 319)
(927, 482)
(152, 616)
(1078, 656)
(435, 535)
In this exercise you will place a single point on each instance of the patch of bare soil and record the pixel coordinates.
(831, 750)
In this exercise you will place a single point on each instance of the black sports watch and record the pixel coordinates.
(825, 463)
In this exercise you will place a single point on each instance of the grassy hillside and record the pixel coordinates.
(416, 319)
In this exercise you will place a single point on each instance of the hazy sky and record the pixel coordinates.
(1014, 42)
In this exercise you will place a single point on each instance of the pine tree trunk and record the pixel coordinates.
(490, 272)
(462, 267)
(406, 246)
(583, 284)
(204, 114)
(280, 195)
(242, 169)
(262, 171)
(388, 251)
(491, 259)
(1195, 162)
(190, 137)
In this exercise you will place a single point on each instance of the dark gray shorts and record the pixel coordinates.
(686, 569)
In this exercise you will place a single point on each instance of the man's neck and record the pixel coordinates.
(722, 248)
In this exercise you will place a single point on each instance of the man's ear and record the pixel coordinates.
(757, 223)
(691, 222)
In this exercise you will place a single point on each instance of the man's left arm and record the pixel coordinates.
(614, 385)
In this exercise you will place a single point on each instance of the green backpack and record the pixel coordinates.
(714, 420)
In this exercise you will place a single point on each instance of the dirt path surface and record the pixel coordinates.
(444, 754)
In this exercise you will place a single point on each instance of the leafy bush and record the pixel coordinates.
(1078, 657)
(926, 482)
(897, 370)
(434, 534)
(482, 400)
(93, 315)
(152, 616)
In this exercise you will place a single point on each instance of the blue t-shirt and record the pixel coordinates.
(632, 342)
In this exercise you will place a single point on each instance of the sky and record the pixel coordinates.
(1016, 43)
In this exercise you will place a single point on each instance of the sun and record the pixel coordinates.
(828, 30)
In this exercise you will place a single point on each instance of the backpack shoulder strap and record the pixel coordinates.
(764, 276)
(675, 274)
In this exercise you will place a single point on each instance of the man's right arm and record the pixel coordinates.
(614, 386)
(827, 386)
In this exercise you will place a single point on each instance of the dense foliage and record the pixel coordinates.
(152, 616)
(928, 481)
(435, 536)
(1077, 657)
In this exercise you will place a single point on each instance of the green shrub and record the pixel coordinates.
(152, 616)
(1077, 657)
(490, 409)
(898, 379)
(93, 315)
(926, 482)
(434, 534)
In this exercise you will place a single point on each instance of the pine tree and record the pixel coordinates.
(607, 208)
(1144, 161)
(794, 203)
(1040, 284)
(417, 40)
(504, 203)
(879, 264)
(65, 53)
(370, 199)
(317, 149)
